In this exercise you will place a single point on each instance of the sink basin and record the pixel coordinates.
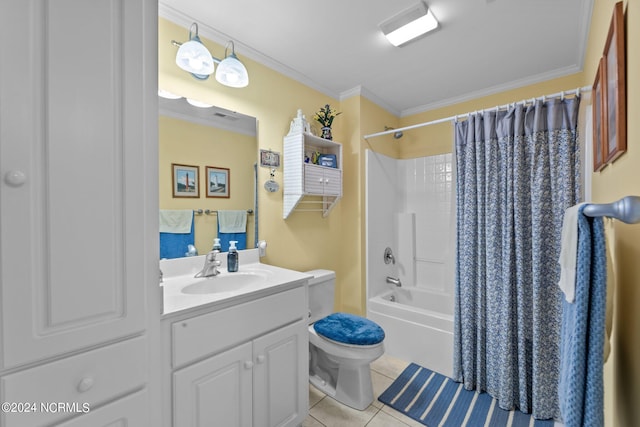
(225, 282)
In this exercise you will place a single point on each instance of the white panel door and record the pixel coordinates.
(72, 171)
(216, 391)
(281, 379)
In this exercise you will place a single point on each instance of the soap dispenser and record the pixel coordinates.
(216, 245)
(232, 257)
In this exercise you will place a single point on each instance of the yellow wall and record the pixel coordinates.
(622, 372)
(198, 145)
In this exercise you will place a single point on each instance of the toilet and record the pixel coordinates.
(341, 346)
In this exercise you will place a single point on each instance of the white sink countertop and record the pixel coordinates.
(182, 291)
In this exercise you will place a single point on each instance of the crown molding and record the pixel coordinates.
(512, 85)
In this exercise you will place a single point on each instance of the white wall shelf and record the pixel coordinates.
(310, 187)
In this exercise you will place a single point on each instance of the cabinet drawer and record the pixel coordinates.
(128, 411)
(210, 333)
(92, 378)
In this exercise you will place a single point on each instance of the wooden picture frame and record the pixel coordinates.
(615, 87)
(218, 182)
(599, 122)
(185, 180)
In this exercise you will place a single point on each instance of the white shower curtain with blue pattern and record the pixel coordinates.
(517, 171)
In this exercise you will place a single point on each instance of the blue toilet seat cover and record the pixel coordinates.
(349, 329)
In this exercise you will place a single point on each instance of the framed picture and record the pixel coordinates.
(218, 184)
(598, 120)
(269, 159)
(185, 180)
(615, 87)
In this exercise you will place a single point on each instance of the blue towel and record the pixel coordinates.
(175, 245)
(581, 389)
(225, 238)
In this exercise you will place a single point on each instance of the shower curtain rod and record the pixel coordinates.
(562, 94)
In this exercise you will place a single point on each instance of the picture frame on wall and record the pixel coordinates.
(599, 120)
(615, 87)
(269, 159)
(218, 182)
(185, 180)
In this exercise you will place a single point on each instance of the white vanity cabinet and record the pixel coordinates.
(78, 202)
(244, 365)
(308, 186)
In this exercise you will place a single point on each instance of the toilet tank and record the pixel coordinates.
(321, 291)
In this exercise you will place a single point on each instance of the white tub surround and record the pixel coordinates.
(236, 347)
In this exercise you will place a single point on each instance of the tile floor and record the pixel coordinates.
(324, 411)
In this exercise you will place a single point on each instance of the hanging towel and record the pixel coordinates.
(610, 235)
(232, 221)
(580, 388)
(232, 225)
(176, 245)
(175, 221)
(568, 252)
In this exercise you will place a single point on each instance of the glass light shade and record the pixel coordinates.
(198, 104)
(231, 72)
(194, 57)
(168, 95)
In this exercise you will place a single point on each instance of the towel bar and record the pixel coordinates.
(212, 212)
(626, 210)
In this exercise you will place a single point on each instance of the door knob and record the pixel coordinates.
(248, 364)
(15, 178)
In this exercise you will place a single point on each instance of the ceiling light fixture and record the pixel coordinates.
(194, 58)
(409, 24)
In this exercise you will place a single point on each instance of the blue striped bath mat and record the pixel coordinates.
(435, 400)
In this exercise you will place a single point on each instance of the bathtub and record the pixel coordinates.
(418, 325)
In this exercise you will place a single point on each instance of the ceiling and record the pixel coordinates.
(335, 46)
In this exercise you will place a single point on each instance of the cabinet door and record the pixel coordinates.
(313, 179)
(216, 391)
(73, 192)
(281, 380)
(332, 182)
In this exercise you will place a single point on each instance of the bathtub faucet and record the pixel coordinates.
(388, 256)
(394, 281)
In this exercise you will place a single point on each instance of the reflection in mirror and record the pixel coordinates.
(222, 146)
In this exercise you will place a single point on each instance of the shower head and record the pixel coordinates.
(396, 135)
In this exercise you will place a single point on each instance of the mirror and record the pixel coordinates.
(221, 146)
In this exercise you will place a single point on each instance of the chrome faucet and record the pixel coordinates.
(211, 265)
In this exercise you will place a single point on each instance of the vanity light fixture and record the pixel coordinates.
(194, 58)
(409, 24)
